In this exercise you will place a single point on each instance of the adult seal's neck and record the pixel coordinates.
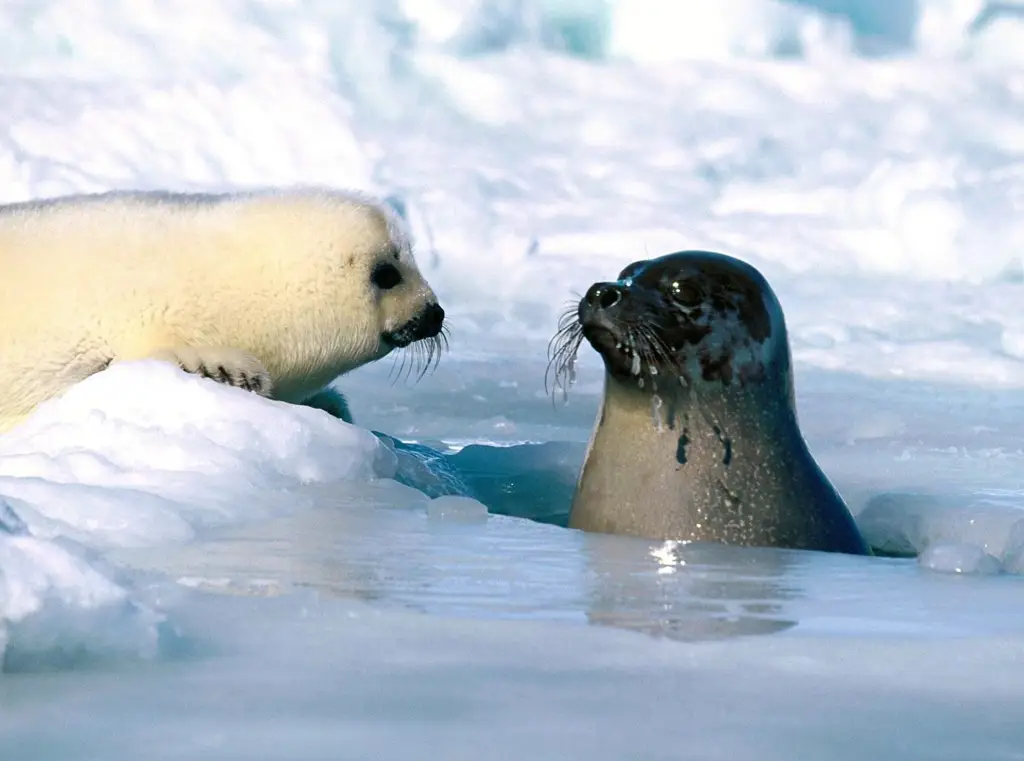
(715, 428)
(711, 462)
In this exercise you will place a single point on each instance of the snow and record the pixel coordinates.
(188, 570)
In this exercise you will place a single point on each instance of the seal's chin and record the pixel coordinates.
(396, 339)
(605, 339)
(621, 357)
(633, 350)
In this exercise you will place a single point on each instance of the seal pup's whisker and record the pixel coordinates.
(433, 349)
(420, 358)
(442, 339)
(398, 362)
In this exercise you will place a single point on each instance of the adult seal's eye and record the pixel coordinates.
(686, 293)
(386, 276)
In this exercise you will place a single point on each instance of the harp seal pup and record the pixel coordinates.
(697, 437)
(278, 291)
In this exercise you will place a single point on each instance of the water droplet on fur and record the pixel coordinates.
(656, 416)
(635, 369)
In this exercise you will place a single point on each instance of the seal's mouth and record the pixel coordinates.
(427, 324)
(628, 341)
(604, 335)
(425, 336)
(625, 354)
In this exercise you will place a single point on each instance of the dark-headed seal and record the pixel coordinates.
(697, 437)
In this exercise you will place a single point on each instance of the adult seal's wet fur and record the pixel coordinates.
(697, 437)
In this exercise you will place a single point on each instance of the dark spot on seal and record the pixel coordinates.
(716, 368)
(751, 372)
(670, 415)
(732, 290)
(684, 440)
(690, 334)
(726, 443)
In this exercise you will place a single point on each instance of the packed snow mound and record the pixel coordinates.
(57, 611)
(143, 455)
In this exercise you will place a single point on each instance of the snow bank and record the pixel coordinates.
(144, 455)
(57, 611)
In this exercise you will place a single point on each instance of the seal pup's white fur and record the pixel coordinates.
(278, 291)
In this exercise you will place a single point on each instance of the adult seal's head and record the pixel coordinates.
(697, 437)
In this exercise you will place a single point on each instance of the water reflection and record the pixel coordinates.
(375, 542)
(688, 591)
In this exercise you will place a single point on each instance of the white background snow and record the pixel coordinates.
(188, 571)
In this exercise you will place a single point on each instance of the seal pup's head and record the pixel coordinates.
(683, 320)
(409, 312)
(383, 300)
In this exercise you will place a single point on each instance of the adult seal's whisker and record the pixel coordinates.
(562, 351)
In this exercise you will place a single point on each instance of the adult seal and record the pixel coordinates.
(697, 437)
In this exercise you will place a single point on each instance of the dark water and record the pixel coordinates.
(534, 481)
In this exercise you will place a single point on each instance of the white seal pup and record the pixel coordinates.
(275, 291)
(697, 437)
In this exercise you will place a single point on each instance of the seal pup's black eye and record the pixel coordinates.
(386, 276)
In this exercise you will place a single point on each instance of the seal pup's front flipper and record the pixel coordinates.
(224, 364)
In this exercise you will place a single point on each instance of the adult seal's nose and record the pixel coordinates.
(600, 297)
(430, 321)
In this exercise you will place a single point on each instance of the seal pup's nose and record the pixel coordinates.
(429, 321)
